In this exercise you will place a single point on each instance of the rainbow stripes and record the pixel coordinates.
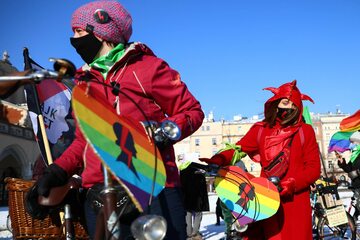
(351, 123)
(264, 203)
(97, 119)
(340, 141)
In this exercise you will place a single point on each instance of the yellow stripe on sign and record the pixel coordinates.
(149, 158)
(90, 117)
(228, 190)
(267, 201)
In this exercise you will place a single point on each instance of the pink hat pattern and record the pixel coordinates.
(117, 29)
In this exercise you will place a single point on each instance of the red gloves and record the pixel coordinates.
(288, 187)
(221, 159)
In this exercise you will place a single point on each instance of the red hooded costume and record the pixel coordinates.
(293, 219)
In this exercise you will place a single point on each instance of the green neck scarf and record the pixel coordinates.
(184, 165)
(355, 153)
(105, 62)
(238, 154)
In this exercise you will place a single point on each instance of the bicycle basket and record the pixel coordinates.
(26, 227)
(329, 196)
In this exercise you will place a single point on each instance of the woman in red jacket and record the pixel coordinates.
(283, 134)
(101, 37)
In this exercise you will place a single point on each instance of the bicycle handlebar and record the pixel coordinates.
(36, 76)
(63, 69)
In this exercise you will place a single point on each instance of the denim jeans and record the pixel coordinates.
(91, 224)
(169, 204)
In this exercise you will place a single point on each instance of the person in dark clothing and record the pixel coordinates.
(196, 198)
(218, 212)
(352, 168)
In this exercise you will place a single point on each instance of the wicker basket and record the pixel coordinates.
(26, 227)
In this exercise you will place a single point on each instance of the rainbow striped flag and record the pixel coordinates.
(351, 123)
(122, 145)
(340, 141)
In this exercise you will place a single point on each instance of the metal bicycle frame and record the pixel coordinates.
(107, 220)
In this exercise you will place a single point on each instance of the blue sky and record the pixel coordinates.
(226, 51)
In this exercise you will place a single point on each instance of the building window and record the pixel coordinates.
(316, 129)
(207, 128)
(202, 128)
(197, 142)
(214, 151)
(330, 165)
(327, 136)
(213, 141)
(239, 128)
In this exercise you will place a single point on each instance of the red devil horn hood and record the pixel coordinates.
(306, 97)
(290, 91)
(272, 89)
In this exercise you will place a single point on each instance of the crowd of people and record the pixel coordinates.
(282, 143)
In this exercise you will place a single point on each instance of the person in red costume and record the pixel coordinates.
(283, 128)
(101, 37)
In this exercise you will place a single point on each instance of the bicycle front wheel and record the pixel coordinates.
(345, 231)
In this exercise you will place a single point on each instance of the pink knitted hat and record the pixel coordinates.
(108, 20)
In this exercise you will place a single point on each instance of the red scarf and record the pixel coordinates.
(276, 142)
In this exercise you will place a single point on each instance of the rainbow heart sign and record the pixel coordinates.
(121, 144)
(249, 198)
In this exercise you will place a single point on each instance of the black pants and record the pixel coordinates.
(167, 204)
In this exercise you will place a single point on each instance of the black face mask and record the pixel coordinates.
(87, 47)
(283, 113)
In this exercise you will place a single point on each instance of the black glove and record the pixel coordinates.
(53, 176)
(32, 207)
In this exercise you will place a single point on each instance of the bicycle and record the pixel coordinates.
(330, 218)
(144, 227)
(353, 208)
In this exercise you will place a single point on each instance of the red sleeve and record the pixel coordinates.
(221, 159)
(249, 143)
(173, 96)
(311, 160)
(72, 158)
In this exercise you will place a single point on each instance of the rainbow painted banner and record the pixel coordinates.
(121, 144)
(249, 198)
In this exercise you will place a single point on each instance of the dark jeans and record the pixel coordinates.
(91, 224)
(167, 204)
